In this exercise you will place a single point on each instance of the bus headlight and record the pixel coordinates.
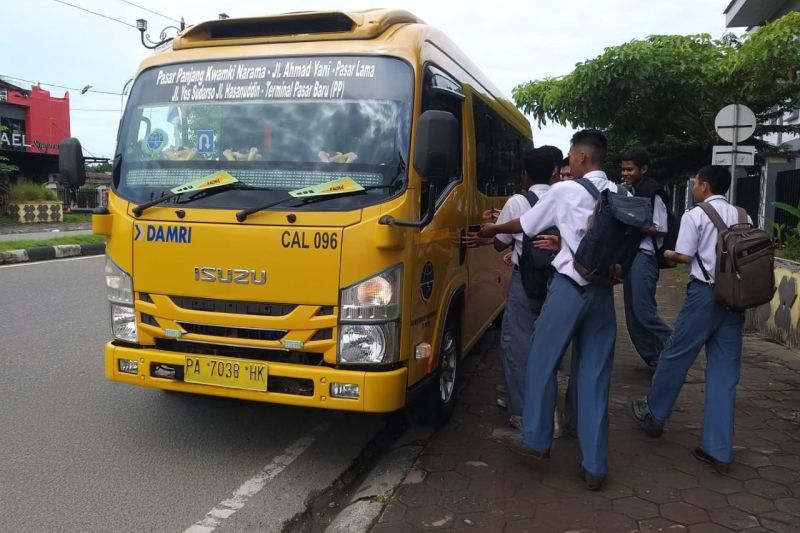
(119, 285)
(123, 323)
(374, 299)
(119, 290)
(368, 343)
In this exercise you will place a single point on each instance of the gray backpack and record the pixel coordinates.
(744, 275)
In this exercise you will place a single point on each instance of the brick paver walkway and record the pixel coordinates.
(466, 481)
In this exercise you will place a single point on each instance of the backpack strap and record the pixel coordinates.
(714, 216)
(742, 215)
(531, 197)
(589, 186)
(720, 225)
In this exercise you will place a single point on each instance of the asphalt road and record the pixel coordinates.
(79, 453)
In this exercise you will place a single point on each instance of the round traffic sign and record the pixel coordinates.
(735, 121)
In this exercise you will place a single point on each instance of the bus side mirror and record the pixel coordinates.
(436, 147)
(435, 159)
(70, 162)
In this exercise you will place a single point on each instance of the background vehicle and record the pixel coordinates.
(289, 199)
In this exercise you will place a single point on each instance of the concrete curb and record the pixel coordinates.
(390, 472)
(43, 253)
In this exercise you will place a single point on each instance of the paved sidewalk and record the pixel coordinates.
(44, 231)
(465, 481)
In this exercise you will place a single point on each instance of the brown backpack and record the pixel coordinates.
(744, 275)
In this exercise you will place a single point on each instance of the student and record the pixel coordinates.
(564, 171)
(521, 311)
(557, 155)
(701, 322)
(573, 308)
(646, 328)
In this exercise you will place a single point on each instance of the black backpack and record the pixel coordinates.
(613, 234)
(535, 265)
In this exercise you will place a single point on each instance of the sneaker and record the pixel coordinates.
(515, 421)
(720, 466)
(645, 419)
(500, 388)
(593, 483)
(501, 403)
(513, 441)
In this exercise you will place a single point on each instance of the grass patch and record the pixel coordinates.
(5, 246)
(77, 217)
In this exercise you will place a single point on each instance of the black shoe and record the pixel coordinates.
(652, 366)
(719, 466)
(513, 441)
(593, 483)
(643, 416)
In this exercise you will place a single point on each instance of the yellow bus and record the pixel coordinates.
(289, 199)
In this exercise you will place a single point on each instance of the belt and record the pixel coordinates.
(646, 252)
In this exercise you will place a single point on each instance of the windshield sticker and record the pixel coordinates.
(298, 78)
(340, 186)
(218, 179)
(205, 141)
(156, 141)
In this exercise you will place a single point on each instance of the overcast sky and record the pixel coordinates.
(512, 41)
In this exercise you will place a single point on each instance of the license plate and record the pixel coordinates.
(231, 373)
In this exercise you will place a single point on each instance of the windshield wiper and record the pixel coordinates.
(242, 215)
(237, 185)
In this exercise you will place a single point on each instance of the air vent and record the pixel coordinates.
(316, 23)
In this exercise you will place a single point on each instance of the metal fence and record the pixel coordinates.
(787, 190)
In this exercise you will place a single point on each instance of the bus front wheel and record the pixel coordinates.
(438, 402)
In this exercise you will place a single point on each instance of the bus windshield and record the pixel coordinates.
(276, 125)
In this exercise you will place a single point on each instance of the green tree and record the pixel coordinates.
(6, 168)
(664, 91)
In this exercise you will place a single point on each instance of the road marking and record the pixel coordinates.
(254, 485)
(31, 263)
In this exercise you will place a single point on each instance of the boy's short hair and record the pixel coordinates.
(538, 164)
(718, 178)
(638, 156)
(565, 162)
(594, 141)
(554, 152)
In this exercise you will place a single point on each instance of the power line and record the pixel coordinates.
(150, 11)
(95, 13)
(56, 85)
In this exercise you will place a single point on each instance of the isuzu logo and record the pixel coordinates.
(230, 275)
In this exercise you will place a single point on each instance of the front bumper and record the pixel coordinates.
(381, 392)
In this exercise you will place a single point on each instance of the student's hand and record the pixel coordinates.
(490, 215)
(548, 243)
(473, 240)
(507, 259)
(487, 231)
(671, 257)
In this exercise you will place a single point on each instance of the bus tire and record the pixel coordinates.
(438, 402)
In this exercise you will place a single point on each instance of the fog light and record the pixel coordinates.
(128, 366)
(345, 390)
(422, 351)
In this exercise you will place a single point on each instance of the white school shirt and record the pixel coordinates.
(659, 221)
(514, 208)
(698, 234)
(568, 207)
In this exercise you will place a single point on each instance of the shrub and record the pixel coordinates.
(787, 238)
(28, 191)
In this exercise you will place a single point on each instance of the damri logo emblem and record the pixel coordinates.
(230, 275)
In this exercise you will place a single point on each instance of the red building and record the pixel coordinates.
(33, 124)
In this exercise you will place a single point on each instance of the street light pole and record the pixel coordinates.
(141, 25)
